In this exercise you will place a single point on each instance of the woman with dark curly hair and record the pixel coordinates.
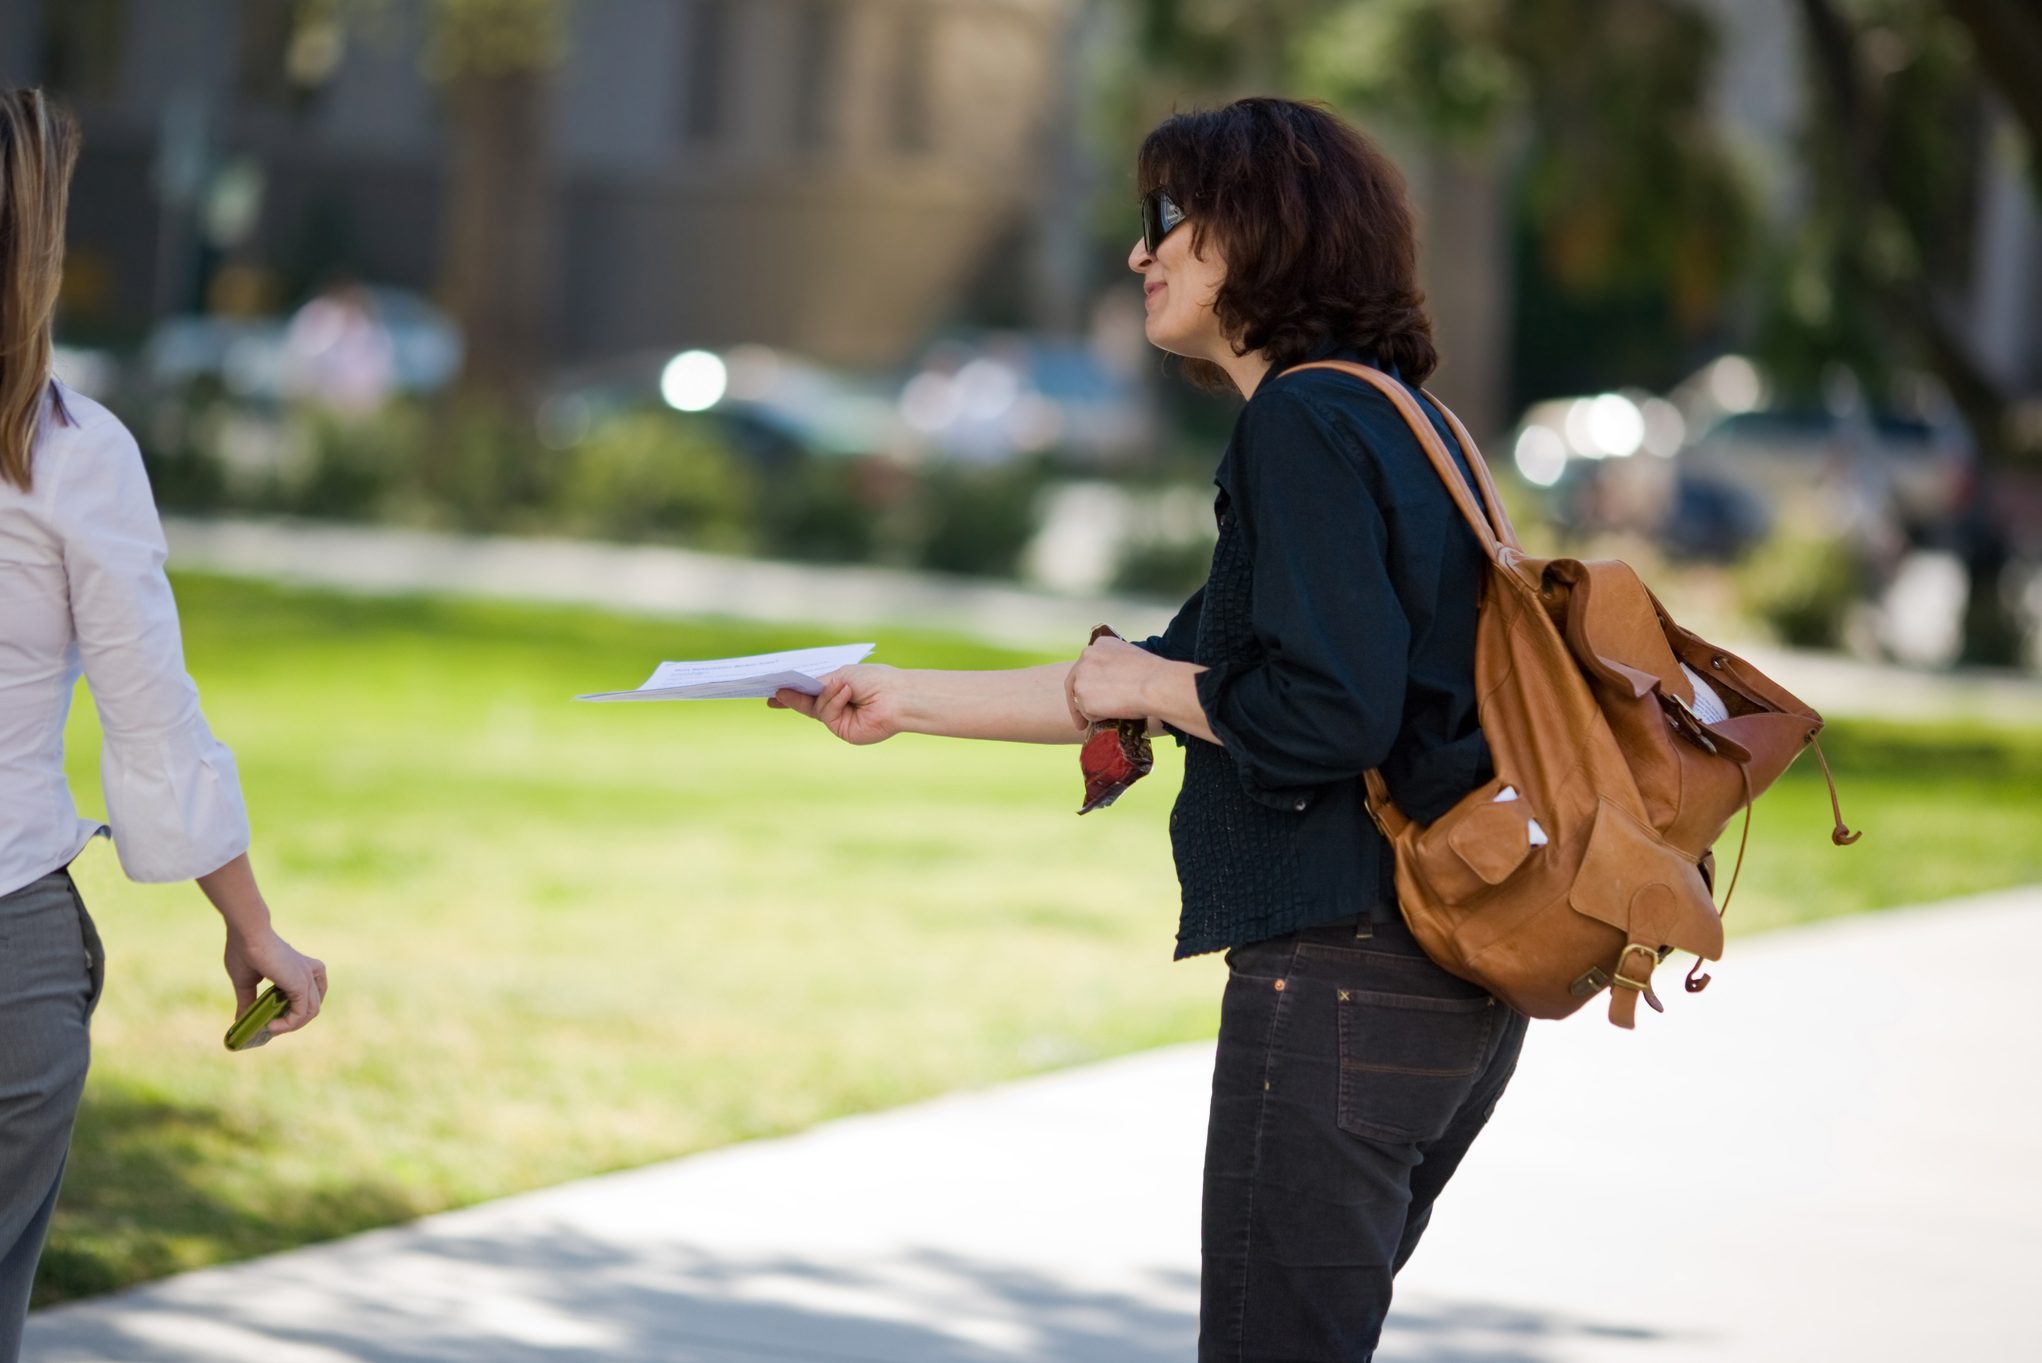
(1335, 634)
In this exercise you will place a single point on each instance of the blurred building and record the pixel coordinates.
(825, 175)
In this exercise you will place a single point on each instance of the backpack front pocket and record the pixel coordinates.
(1478, 844)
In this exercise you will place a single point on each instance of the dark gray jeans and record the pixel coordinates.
(1352, 1075)
(51, 969)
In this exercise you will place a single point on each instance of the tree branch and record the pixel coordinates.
(1910, 302)
(2006, 36)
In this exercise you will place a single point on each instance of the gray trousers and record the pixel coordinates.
(51, 969)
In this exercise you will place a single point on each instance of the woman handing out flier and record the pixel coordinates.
(1335, 633)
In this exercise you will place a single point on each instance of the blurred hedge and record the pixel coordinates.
(638, 475)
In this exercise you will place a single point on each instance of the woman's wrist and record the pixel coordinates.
(912, 703)
(234, 893)
(246, 919)
(1170, 694)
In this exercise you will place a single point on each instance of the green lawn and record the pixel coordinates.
(567, 938)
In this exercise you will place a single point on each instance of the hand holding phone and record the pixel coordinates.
(251, 1029)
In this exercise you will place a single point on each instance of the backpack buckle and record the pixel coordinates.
(1643, 986)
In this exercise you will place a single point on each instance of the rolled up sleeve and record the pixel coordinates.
(172, 792)
(1177, 638)
(1175, 643)
(1323, 701)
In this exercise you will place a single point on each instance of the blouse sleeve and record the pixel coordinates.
(172, 792)
(1324, 699)
(1178, 636)
(1175, 643)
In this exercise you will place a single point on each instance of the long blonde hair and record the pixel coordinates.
(38, 150)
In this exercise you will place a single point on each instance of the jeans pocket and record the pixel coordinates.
(1409, 1061)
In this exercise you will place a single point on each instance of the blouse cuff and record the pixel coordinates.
(1158, 644)
(1154, 645)
(175, 805)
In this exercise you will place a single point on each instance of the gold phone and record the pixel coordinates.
(251, 1029)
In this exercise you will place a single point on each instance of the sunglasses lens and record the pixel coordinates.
(1159, 215)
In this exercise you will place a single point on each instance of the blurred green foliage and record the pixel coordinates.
(636, 474)
(643, 476)
(824, 510)
(1802, 587)
(976, 520)
(1920, 115)
(1170, 568)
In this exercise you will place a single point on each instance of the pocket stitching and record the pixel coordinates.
(1362, 1126)
(1420, 1003)
(1356, 1067)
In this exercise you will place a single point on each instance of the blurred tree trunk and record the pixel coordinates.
(1910, 301)
(1857, 117)
(2007, 36)
(497, 251)
(496, 60)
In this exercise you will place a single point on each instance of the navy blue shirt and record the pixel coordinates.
(1337, 629)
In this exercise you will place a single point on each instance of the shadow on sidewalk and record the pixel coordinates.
(403, 1297)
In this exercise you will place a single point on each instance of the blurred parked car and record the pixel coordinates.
(991, 397)
(766, 404)
(1906, 467)
(264, 359)
(1711, 468)
(983, 399)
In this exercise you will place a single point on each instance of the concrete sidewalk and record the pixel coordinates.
(1837, 1141)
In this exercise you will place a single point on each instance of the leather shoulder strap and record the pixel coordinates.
(1505, 531)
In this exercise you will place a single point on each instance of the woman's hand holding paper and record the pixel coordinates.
(859, 704)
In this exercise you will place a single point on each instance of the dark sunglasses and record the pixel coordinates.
(1160, 214)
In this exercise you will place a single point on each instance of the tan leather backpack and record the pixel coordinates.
(1587, 859)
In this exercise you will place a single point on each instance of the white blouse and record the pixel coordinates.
(82, 588)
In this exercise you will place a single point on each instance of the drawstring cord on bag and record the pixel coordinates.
(1843, 836)
(1696, 981)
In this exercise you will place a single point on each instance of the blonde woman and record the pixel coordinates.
(82, 588)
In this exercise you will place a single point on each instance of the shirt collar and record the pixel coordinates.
(1342, 350)
(58, 407)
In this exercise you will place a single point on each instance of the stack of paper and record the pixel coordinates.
(753, 678)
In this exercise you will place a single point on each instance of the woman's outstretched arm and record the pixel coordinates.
(1052, 703)
(869, 702)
